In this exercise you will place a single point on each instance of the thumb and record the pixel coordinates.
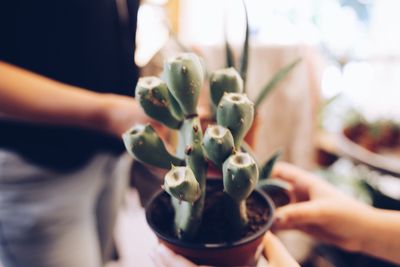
(276, 253)
(297, 214)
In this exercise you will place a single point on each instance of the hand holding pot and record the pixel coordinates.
(323, 212)
(333, 217)
(276, 253)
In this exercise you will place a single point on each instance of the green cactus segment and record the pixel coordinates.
(236, 112)
(240, 175)
(180, 183)
(192, 136)
(157, 101)
(184, 75)
(224, 81)
(218, 144)
(146, 146)
(188, 215)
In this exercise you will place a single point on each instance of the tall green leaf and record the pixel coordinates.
(266, 168)
(230, 60)
(244, 59)
(279, 76)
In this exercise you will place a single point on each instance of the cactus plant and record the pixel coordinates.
(174, 103)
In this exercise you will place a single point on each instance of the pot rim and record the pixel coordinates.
(224, 245)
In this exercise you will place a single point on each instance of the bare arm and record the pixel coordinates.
(34, 98)
(383, 236)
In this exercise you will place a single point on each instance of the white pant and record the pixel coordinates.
(55, 219)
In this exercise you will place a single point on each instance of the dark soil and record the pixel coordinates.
(215, 227)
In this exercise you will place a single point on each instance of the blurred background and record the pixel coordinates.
(336, 113)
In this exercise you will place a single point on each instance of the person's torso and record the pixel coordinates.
(86, 43)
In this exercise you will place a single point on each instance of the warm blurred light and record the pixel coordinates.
(152, 33)
(331, 83)
(385, 27)
(373, 88)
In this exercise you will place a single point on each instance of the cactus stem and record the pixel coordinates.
(237, 212)
(188, 214)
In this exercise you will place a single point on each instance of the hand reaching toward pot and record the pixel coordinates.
(274, 250)
(335, 218)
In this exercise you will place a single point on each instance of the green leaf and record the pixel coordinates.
(279, 76)
(266, 168)
(230, 60)
(244, 59)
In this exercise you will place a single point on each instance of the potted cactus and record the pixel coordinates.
(210, 221)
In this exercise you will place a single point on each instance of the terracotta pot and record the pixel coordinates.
(243, 252)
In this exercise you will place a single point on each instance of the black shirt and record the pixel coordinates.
(85, 43)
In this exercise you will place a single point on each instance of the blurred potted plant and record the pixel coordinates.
(215, 222)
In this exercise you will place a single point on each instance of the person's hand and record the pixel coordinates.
(323, 212)
(276, 253)
(122, 112)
